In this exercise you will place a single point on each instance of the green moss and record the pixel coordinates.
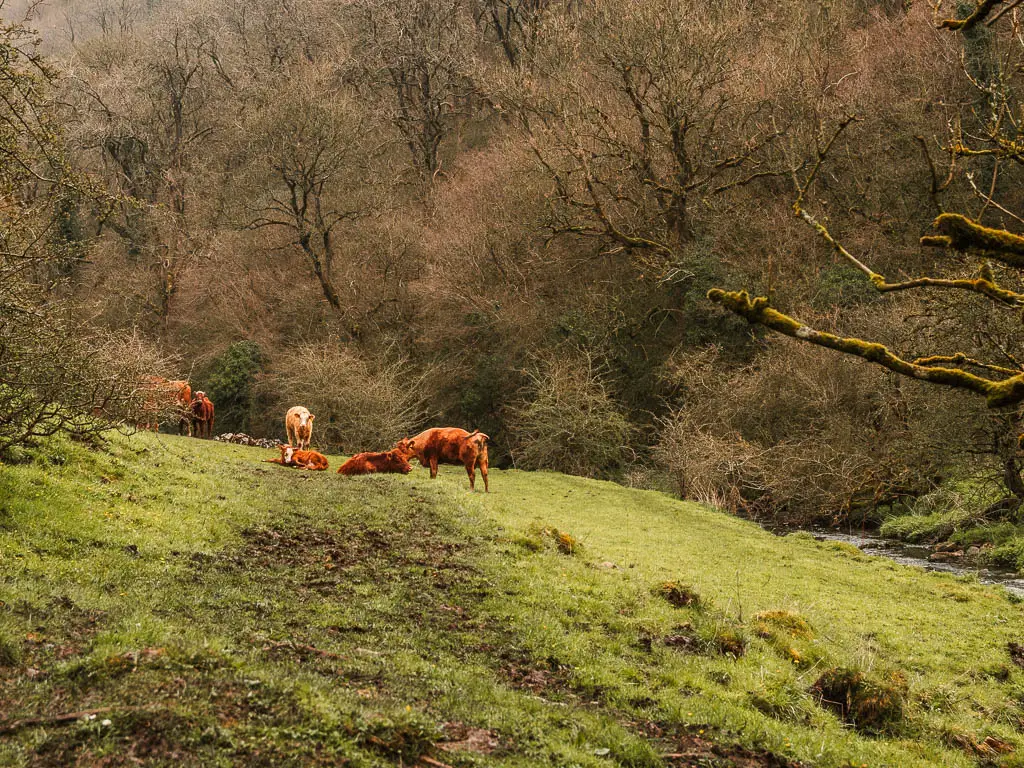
(937, 526)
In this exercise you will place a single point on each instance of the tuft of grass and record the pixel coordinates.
(868, 704)
(679, 595)
(10, 651)
(773, 623)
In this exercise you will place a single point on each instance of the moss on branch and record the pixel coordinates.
(981, 11)
(961, 233)
(1008, 391)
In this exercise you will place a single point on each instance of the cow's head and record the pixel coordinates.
(305, 417)
(198, 395)
(397, 461)
(404, 448)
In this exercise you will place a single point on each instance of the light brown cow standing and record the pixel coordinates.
(298, 424)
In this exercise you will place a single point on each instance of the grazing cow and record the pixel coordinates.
(449, 445)
(163, 396)
(201, 415)
(365, 463)
(300, 459)
(298, 423)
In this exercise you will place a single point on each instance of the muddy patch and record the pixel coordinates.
(696, 748)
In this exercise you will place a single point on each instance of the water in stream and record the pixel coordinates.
(910, 554)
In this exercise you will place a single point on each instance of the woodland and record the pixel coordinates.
(583, 227)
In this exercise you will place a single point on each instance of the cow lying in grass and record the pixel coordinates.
(292, 457)
(365, 463)
(298, 424)
(449, 445)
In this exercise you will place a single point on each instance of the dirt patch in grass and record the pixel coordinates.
(679, 595)
(459, 737)
(683, 638)
(1016, 651)
(696, 748)
(869, 705)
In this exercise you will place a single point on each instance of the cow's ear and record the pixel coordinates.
(311, 417)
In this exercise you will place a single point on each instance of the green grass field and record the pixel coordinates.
(176, 601)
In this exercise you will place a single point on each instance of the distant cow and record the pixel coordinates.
(161, 396)
(290, 457)
(449, 445)
(298, 423)
(365, 463)
(200, 415)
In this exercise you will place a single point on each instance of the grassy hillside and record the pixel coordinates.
(177, 602)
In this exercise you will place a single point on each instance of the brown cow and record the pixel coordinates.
(201, 415)
(449, 445)
(365, 463)
(163, 396)
(298, 424)
(290, 457)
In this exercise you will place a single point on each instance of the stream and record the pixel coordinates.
(912, 554)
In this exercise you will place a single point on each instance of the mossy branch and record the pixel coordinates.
(981, 11)
(962, 234)
(983, 283)
(960, 360)
(957, 232)
(1008, 391)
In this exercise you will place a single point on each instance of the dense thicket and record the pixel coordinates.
(506, 214)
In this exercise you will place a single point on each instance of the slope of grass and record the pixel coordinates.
(176, 602)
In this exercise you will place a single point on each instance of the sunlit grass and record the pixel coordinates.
(258, 615)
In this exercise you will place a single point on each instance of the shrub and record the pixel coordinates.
(72, 380)
(229, 383)
(359, 405)
(795, 435)
(568, 421)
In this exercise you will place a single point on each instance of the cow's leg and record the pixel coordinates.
(471, 471)
(433, 467)
(482, 461)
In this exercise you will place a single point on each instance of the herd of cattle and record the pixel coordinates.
(440, 445)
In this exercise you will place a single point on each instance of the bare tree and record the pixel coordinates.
(313, 158)
(641, 112)
(147, 114)
(994, 149)
(56, 375)
(416, 52)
